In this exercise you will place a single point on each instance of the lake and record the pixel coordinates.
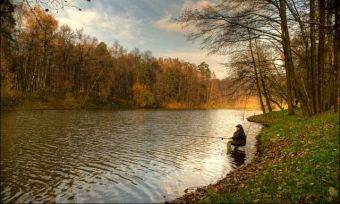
(117, 156)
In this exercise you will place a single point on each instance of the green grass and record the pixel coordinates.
(299, 162)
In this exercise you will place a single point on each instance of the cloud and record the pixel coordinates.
(189, 4)
(119, 20)
(168, 24)
(215, 61)
(103, 25)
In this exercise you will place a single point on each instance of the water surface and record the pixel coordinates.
(116, 156)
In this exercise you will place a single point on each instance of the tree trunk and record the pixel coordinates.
(321, 54)
(336, 66)
(265, 92)
(284, 36)
(314, 74)
(306, 38)
(328, 95)
(256, 75)
(292, 81)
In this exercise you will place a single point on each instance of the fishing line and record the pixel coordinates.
(201, 136)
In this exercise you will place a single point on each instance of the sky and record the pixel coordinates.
(142, 24)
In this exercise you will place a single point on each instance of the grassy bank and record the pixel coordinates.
(298, 161)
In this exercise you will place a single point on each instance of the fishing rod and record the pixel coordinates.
(201, 136)
(222, 138)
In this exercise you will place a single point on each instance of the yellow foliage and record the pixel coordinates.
(177, 105)
(142, 96)
(40, 20)
(6, 78)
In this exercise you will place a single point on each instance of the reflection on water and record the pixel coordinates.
(238, 156)
(116, 156)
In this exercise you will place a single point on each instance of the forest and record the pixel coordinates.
(43, 61)
(284, 52)
(46, 61)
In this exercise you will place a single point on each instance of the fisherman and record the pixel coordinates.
(239, 137)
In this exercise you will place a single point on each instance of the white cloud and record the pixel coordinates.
(103, 25)
(215, 61)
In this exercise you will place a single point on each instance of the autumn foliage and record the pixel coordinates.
(143, 97)
(47, 62)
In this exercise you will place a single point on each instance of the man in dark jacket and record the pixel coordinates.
(239, 137)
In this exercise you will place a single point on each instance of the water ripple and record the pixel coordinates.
(116, 156)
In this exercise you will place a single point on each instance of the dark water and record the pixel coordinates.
(116, 156)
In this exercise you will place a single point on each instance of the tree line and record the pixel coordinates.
(45, 61)
(289, 48)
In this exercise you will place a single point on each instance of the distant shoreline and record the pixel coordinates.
(75, 105)
(107, 108)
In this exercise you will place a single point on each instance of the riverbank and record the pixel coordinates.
(57, 104)
(297, 161)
